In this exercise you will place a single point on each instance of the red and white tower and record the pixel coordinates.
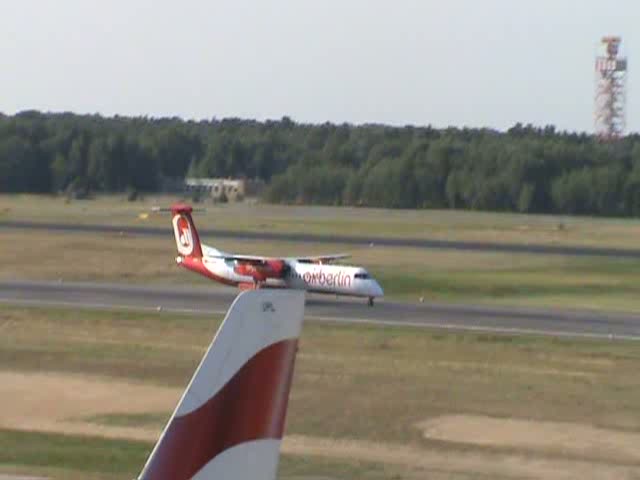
(611, 77)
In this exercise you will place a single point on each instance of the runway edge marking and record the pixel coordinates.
(320, 318)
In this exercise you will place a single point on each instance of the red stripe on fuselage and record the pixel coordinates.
(251, 406)
(197, 265)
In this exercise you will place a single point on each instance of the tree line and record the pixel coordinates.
(526, 169)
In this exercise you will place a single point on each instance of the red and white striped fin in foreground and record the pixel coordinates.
(230, 420)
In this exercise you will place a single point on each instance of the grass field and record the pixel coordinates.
(251, 216)
(367, 402)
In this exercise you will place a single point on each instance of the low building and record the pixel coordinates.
(219, 189)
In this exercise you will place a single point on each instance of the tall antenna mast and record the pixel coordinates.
(611, 95)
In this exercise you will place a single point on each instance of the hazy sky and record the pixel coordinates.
(455, 62)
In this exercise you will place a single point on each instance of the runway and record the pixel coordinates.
(341, 239)
(216, 300)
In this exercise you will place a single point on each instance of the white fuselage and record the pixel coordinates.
(313, 277)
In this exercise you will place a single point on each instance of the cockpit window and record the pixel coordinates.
(361, 276)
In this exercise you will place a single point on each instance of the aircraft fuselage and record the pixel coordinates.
(314, 277)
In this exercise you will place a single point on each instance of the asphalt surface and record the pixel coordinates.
(210, 300)
(342, 239)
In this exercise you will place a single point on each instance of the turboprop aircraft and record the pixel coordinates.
(313, 274)
(230, 421)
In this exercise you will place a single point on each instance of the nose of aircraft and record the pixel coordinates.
(376, 289)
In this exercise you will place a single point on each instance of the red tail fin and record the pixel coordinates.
(230, 420)
(187, 239)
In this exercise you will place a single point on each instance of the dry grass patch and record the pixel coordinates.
(460, 463)
(53, 402)
(554, 437)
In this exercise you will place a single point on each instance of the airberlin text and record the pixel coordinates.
(339, 279)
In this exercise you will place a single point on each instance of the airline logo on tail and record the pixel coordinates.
(182, 231)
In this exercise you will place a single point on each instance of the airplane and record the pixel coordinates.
(313, 274)
(230, 420)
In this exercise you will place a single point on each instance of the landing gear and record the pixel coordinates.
(370, 301)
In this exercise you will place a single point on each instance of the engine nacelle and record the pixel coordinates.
(263, 270)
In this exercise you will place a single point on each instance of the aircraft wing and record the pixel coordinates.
(321, 258)
(243, 258)
(261, 259)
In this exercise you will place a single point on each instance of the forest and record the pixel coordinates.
(525, 169)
